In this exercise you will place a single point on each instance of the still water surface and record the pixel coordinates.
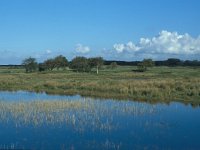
(31, 120)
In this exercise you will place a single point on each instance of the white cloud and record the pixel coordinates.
(130, 46)
(119, 47)
(82, 49)
(165, 43)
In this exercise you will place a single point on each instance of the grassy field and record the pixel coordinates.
(158, 84)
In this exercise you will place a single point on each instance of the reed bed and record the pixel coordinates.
(79, 114)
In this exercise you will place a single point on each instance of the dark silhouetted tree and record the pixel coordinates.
(173, 62)
(60, 62)
(50, 64)
(30, 64)
(80, 64)
(42, 67)
(96, 62)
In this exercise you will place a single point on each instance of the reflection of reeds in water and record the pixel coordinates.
(80, 114)
(11, 146)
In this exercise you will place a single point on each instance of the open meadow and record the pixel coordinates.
(157, 84)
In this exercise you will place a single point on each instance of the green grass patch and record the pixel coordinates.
(157, 84)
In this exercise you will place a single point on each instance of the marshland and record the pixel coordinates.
(118, 108)
(157, 84)
(99, 74)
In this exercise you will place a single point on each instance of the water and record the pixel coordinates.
(39, 121)
(30, 96)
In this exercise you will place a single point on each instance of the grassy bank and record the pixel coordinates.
(158, 84)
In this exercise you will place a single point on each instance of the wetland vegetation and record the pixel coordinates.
(52, 105)
(98, 105)
(157, 84)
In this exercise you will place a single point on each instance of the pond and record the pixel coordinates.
(31, 120)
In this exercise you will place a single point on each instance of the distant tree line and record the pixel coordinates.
(122, 63)
(83, 64)
(79, 64)
(169, 62)
(12, 66)
(177, 62)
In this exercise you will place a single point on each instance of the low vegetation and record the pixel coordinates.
(157, 84)
(145, 64)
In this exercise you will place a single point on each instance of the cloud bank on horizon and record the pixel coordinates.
(165, 43)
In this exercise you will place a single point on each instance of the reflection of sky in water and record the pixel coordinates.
(23, 95)
(102, 124)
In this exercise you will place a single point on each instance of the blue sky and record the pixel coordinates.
(114, 29)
